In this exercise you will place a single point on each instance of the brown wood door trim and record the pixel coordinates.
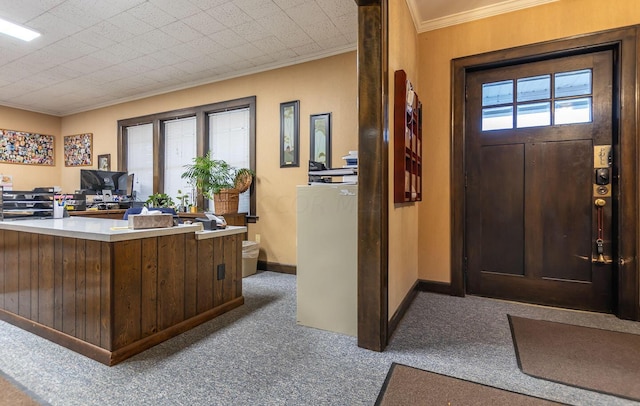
(373, 182)
(624, 42)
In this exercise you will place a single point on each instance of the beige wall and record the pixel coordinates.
(326, 85)
(437, 48)
(403, 233)
(26, 177)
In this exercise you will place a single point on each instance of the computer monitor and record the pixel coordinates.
(97, 181)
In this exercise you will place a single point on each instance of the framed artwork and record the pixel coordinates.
(19, 147)
(104, 162)
(78, 150)
(290, 134)
(320, 138)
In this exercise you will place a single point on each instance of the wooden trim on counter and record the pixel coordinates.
(111, 300)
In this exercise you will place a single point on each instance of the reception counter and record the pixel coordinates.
(109, 292)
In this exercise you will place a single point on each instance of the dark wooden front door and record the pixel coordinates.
(536, 136)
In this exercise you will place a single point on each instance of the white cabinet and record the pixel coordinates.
(327, 251)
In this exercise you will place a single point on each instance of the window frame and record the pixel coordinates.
(201, 114)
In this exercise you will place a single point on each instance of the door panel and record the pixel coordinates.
(531, 222)
(502, 187)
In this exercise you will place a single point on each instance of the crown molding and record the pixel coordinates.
(471, 15)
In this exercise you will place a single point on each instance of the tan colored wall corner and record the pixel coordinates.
(403, 233)
(26, 177)
(437, 48)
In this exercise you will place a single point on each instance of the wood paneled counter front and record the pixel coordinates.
(109, 292)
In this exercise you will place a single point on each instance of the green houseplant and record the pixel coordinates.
(159, 200)
(218, 180)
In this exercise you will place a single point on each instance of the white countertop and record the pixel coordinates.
(230, 230)
(94, 228)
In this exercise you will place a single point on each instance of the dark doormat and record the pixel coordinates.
(589, 358)
(14, 394)
(408, 386)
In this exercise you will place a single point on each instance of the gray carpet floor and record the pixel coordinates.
(258, 355)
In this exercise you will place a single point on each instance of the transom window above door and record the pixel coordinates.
(535, 101)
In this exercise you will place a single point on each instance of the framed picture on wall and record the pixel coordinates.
(21, 147)
(104, 162)
(320, 138)
(78, 150)
(290, 134)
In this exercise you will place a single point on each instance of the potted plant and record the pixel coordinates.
(159, 200)
(218, 180)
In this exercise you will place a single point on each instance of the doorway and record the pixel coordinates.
(533, 230)
(544, 187)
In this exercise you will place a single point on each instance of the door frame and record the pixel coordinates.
(624, 43)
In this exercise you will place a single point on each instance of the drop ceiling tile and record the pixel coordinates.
(308, 49)
(295, 38)
(306, 14)
(270, 44)
(130, 23)
(67, 49)
(228, 39)
(159, 39)
(207, 4)
(265, 59)
(122, 52)
(336, 8)
(177, 8)
(204, 23)
(22, 11)
(258, 9)
(227, 56)
(52, 28)
(229, 14)
(251, 31)
(181, 31)
(187, 51)
(346, 24)
(285, 4)
(337, 41)
(77, 13)
(206, 45)
(104, 32)
(151, 14)
(248, 51)
(321, 30)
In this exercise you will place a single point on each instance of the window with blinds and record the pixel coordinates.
(179, 150)
(156, 147)
(140, 159)
(229, 141)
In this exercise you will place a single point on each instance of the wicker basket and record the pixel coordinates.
(243, 182)
(226, 201)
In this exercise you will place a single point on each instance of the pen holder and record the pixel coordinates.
(58, 210)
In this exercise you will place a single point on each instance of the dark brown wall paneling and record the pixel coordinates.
(373, 180)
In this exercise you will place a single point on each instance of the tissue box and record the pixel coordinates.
(138, 221)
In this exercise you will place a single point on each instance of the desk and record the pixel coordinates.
(108, 292)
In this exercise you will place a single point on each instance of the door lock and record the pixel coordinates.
(602, 176)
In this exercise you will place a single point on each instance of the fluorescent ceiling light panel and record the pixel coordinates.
(17, 31)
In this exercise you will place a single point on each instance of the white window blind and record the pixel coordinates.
(140, 159)
(179, 150)
(229, 141)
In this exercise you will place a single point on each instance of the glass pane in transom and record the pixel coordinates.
(497, 93)
(534, 88)
(534, 114)
(497, 118)
(575, 83)
(573, 111)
